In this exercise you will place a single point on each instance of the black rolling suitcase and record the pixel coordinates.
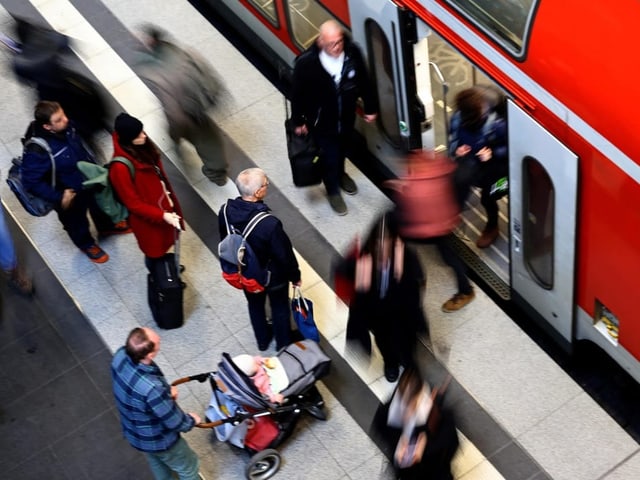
(165, 291)
(304, 156)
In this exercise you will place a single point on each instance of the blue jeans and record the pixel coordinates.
(179, 459)
(8, 259)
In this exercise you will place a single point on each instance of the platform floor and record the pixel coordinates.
(519, 415)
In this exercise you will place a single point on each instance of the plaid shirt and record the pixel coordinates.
(151, 420)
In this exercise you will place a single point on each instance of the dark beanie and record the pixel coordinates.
(127, 128)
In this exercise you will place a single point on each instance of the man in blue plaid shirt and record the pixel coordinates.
(150, 417)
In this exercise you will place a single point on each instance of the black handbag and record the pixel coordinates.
(304, 157)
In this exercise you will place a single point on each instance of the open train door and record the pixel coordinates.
(543, 183)
(387, 34)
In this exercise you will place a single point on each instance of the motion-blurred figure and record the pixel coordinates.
(427, 212)
(18, 279)
(42, 59)
(418, 429)
(188, 88)
(388, 286)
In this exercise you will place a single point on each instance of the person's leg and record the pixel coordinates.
(456, 264)
(76, 224)
(332, 168)
(281, 315)
(491, 230)
(382, 332)
(258, 316)
(347, 147)
(207, 141)
(159, 469)
(181, 459)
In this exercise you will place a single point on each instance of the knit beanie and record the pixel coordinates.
(127, 128)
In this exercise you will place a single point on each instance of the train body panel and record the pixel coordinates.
(569, 78)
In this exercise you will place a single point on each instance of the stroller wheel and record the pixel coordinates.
(263, 465)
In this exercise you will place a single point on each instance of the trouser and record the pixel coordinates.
(280, 315)
(206, 138)
(8, 258)
(483, 175)
(179, 459)
(334, 151)
(75, 221)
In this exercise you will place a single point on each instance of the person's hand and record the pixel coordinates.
(172, 219)
(298, 283)
(484, 154)
(174, 392)
(196, 417)
(369, 118)
(301, 130)
(67, 198)
(462, 150)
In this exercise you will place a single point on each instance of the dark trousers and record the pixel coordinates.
(334, 151)
(471, 172)
(280, 315)
(451, 259)
(75, 221)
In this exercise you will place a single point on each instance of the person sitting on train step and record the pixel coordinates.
(70, 199)
(478, 143)
(328, 79)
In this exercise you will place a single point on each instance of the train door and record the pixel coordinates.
(387, 34)
(543, 177)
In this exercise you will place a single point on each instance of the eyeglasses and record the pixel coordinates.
(335, 44)
(266, 183)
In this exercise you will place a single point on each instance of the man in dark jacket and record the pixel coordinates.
(328, 79)
(70, 200)
(273, 249)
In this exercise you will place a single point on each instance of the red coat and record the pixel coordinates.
(146, 201)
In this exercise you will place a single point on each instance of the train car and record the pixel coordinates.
(567, 251)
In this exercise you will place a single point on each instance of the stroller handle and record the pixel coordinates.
(201, 377)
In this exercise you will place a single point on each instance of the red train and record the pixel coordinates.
(568, 250)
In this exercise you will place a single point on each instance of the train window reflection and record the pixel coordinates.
(268, 9)
(382, 73)
(539, 205)
(306, 18)
(506, 21)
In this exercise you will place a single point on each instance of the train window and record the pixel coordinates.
(382, 72)
(268, 9)
(305, 17)
(506, 21)
(539, 204)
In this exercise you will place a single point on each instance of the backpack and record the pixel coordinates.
(240, 266)
(36, 206)
(97, 178)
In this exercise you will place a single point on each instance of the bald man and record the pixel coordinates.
(328, 79)
(150, 417)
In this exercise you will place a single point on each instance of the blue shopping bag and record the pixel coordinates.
(302, 309)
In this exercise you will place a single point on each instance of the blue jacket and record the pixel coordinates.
(268, 240)
(151, 420)
(68, 149)
(493, 134)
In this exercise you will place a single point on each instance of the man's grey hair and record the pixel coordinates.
(250, 180)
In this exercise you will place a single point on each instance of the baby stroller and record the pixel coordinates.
(243, 416)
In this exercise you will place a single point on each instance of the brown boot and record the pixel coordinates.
(489, 235)
(20, 281)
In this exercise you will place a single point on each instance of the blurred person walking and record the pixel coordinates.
(188, 88)
(16, 275)
(388, 283)
(427, 212)
(328, 79)
(150, 417)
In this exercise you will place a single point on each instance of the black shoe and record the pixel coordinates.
(391, 373)
(182, 268)
(348, 185)
(337, 204)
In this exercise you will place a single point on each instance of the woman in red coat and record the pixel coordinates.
(154, 211)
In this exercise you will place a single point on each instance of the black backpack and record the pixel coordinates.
(240, 266)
